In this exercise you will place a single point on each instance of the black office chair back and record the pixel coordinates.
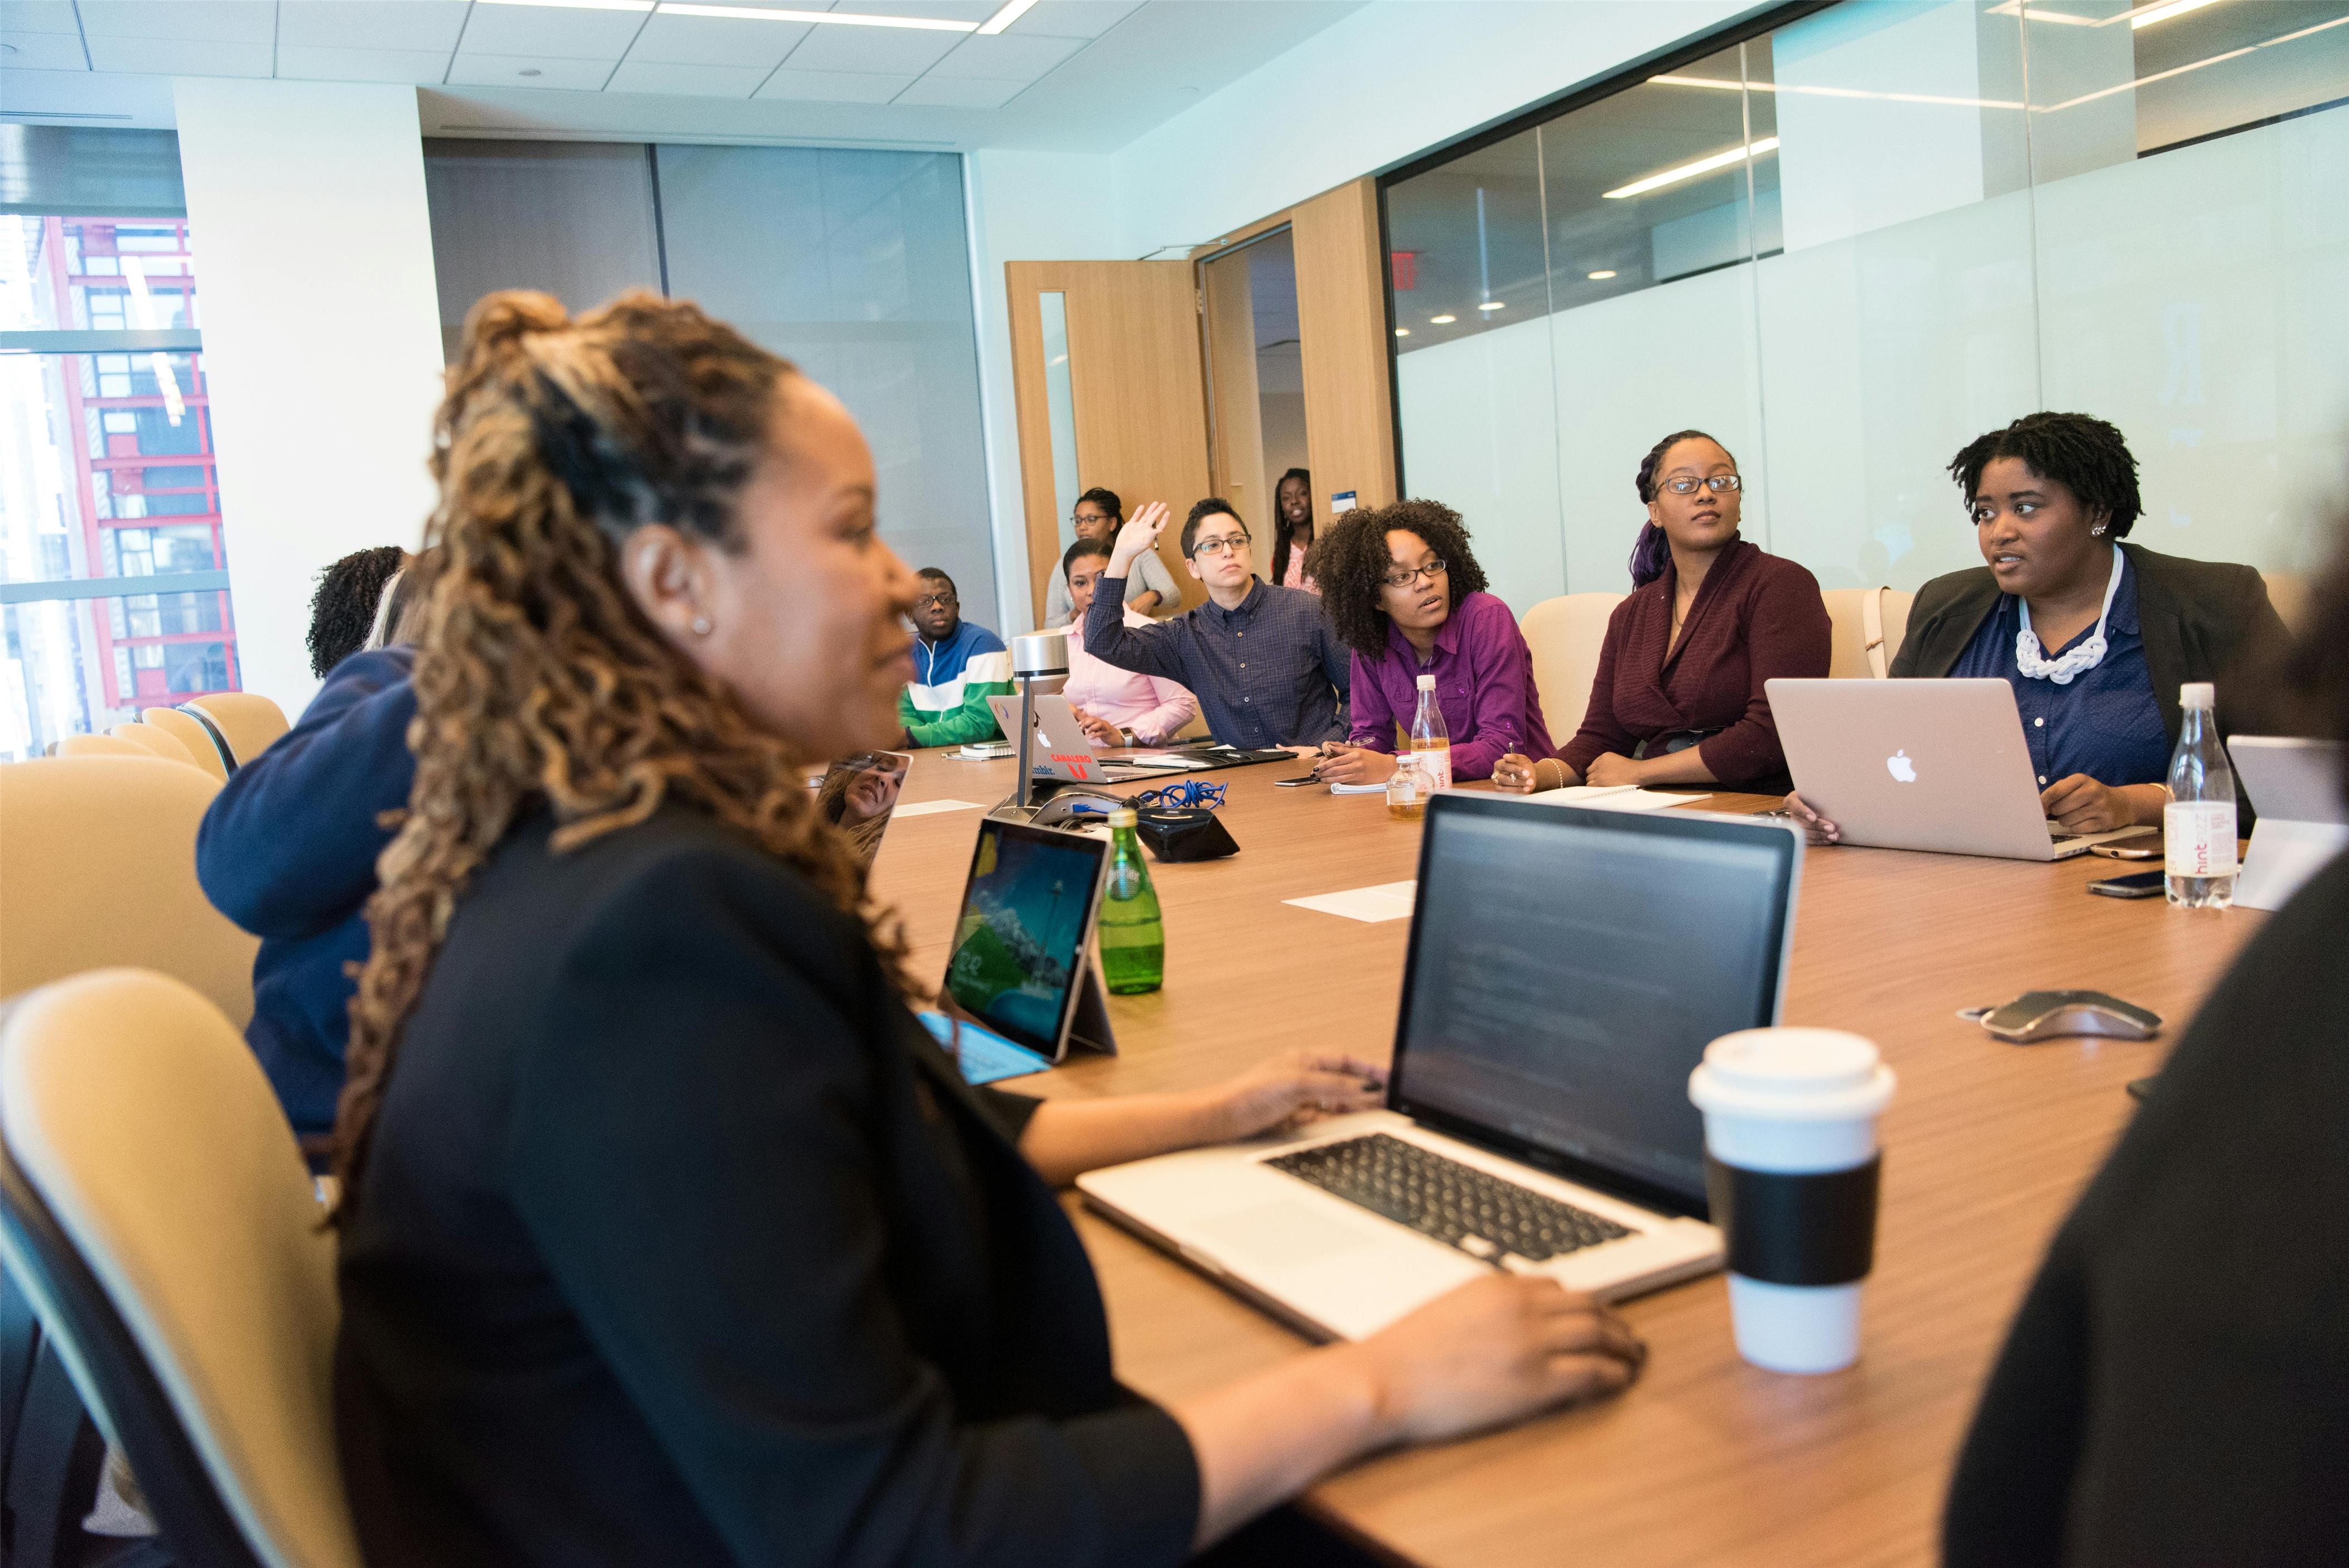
(81, 1318)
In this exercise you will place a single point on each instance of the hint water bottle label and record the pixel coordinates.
(2200, 838)
(1435, 769)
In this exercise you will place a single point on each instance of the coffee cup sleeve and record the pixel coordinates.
(1798, 1228)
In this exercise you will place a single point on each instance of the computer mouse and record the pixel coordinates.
(2038, 1015)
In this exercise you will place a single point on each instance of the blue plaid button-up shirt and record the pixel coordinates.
(1269, 672)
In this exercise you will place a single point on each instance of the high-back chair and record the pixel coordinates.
(247, 720)
(156, 742)
(2288, 591)
(98, 866)
(154, 1207)
(1565, 636)
(1868, 625)
(97, 746)
(202, 742)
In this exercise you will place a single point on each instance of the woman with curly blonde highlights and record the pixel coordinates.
(668, 1234)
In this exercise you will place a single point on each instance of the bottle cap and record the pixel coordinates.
(2197, 694)
(1427, 683)
(1122, 817)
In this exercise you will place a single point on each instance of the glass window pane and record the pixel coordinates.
(100, 274)
(80, 666)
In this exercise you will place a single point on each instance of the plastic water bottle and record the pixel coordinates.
(1430, 738)
(1133, 935)
(2198, 826)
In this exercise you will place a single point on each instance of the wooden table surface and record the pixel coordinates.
(1706, 1461)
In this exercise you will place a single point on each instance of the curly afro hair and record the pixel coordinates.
(2083, 454)
(1350, 560)
(342, 612)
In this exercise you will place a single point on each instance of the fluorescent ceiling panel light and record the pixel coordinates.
(845, 18)
(1403, 332)
(1012, 10)
(2147, 18)
(1691, 171)
(580, 4)
(2041, 14)
(1673, 81)
(2147, 81)
(1600, 277)
(1442, 320)
(1492, 305)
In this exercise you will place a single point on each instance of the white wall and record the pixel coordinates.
(322, 338)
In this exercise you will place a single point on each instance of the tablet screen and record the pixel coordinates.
(1020, 944)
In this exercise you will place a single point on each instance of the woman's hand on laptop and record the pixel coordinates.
(1492, 1351)
(1821, 830)
(1297, 1088)
(2079, 804)
(1097, 730)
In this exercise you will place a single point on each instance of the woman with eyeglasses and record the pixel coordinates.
(1679, 696)
(1402, 590)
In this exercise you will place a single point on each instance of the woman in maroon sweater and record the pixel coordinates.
(1679, 696)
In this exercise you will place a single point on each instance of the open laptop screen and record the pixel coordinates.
(1567, 968)
(1019, 945)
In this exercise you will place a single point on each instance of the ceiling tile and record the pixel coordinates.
(874, 51)
(43, 52)
(961, 92)
(38, 16)
(219, 21)
(560, 32)
(686, 81)
(512, 71)
(1005, 58)
(833, 87)
(180, 57)
(1073, 18)
(324, 63)
(716, 41)
(371, 24)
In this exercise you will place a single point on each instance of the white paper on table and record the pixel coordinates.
(1613, 798)
(1387, 901)
(923, 807)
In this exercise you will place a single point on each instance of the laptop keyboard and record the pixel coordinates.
(1459, 1206)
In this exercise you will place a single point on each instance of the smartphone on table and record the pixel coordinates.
(2143, 884)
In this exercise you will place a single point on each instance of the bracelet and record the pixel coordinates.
(1549, 762)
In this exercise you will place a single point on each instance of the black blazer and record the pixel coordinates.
(2175, 1391)
(681, 1242)
(2201, 620)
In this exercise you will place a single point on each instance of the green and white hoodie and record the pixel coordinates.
(948, 706)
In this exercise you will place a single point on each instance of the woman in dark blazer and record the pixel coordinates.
(667, 1234)
(2094, 635)
(1679, 697)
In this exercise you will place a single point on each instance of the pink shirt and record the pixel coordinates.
(1152, 708)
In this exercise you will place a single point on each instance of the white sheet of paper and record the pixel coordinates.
(1387, 901)
(923, 807)
(1613, 798)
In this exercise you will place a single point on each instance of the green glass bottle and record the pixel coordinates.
(1133, 936)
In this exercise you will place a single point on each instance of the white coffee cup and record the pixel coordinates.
(1803, 1104)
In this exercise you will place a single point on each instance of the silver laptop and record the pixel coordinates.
(1064, 751)
(1566, 969)
(2294, 785)
(1937, 765)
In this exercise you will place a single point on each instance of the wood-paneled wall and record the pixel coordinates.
(1341, 318)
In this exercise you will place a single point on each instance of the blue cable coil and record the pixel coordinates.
(1190, 794)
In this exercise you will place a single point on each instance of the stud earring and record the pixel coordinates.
(2098, 531)
(701, 628)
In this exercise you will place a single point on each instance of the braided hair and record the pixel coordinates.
(538, 679)
(2083, 454)
(1653, 552)
(1351, 561)
(342, 611)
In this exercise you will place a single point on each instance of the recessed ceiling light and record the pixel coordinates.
(771, 14)
(1012, 10)
(1689, 170)
(1600, 277)
(1492, 305)
(1403, 332)
(1442, 320)
(580, 4)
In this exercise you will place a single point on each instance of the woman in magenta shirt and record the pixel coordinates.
(1117, 707)
(1402, 589)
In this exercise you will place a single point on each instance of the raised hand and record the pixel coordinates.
(1140, 533)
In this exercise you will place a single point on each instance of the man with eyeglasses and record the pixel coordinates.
(961, 665)
(1098, 515)
(1266, 668)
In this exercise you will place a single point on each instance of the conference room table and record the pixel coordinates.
(1706, 1459)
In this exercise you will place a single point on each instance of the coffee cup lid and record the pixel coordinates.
(1792, 1074)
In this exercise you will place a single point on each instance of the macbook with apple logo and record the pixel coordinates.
(1938, 765)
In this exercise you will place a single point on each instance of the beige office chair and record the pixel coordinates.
(97, 746)
(1565, 636)
(156, 742)
(247, 720)
(1868, 625)
(189, 732)
(98, 866)
(155, 1207)
(2288, 591)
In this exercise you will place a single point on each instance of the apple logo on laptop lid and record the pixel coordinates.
(1900, 767)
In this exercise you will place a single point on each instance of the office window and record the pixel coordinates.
(113, 578)
(1850, 242)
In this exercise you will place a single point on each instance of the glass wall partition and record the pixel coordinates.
(1849, 243)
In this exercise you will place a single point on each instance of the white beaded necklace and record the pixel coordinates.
(2032, 660)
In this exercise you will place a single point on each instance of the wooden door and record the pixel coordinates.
(1138, 397)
